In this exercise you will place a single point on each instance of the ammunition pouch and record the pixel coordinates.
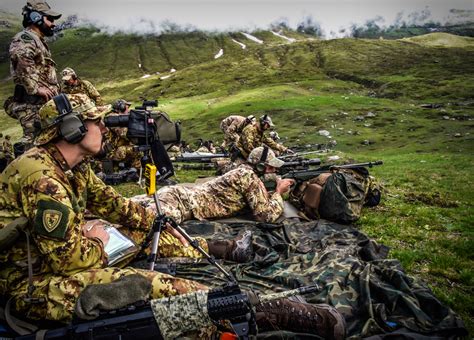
(21, 96)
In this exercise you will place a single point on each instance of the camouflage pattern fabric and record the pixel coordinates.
(224, 196)
(174, 151)
(373, 293)
(253, 136)
(32, 67)
(84, 87)
(231, 127)
(178, 315)
(121, 149)
(40, 186)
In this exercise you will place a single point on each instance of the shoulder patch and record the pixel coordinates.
(26, 37)
(51, 219)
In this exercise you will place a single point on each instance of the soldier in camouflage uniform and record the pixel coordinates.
(230, 194)
(51, 186)
(8, 149)
(253, 136)
(73, 84)
(33, 69)
(232, 126)
(119, 147)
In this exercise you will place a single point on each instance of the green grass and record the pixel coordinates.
(426, 215)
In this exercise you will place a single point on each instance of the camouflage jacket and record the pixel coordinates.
(121, 149)
(252, 137)
(84, 87)
(40, 186)
(31, 62)
(232, 126)
(226, 196)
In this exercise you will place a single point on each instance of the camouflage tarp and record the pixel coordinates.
(374, 294)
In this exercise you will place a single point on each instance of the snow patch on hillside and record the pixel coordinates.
(251, 37)
(219, 54)
(165, 77)
(278, 34)
(146, 76)
(241, 45)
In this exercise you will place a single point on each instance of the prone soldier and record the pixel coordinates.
(230, 193)
(33, 69)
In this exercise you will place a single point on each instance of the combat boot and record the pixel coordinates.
(284, 314)
(238, 250)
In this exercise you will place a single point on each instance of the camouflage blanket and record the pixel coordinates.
(374, 294)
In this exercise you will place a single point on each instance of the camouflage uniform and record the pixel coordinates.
(32, 67)
(231, 127)
(121, 149)
(223, 196)
(85, 87)
(40, 186)
(174, 151)
(253, 136)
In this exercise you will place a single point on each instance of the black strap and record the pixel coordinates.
(264, 156)
(62, 105)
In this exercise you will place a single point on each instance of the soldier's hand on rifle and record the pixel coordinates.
(176, 234)
(46, 93)
(95, 229)
(284, 185)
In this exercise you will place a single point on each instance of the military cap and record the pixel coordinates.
(120, 105)
(274, 135)
(266, 119)
(80, 103)
(68, 73)
(42, 7)
(255, 157)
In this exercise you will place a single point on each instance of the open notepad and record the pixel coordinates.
(119, 245)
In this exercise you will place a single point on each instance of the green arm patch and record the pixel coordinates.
(51, 219)
(26, 37)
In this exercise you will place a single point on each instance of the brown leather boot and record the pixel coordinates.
(284, 314)
(238, 250)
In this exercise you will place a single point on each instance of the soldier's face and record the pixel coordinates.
(48, 26)
(92, 141)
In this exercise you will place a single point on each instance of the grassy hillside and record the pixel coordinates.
(409, 102)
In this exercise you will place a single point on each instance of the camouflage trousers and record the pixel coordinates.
(27, 116)
(61, 292)
(175, 202)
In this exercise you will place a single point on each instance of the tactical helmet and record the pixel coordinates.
(257, 157)
(48, 114)
(68, 73)
(120, 105)
(265, 119)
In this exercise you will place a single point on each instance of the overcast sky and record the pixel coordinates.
(332, 15)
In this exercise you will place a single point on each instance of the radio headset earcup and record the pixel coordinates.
(122, 107)
(72, 128)
(36, 18)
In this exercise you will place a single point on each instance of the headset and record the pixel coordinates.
(32, 16)
(71, 126)
(261, 165)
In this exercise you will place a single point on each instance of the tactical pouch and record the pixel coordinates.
(10, 233)
(168, 131)
(21, 96)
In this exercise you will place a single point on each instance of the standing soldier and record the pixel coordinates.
(253, 136)
(73, 84)
(232, 126)
(33, 69)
